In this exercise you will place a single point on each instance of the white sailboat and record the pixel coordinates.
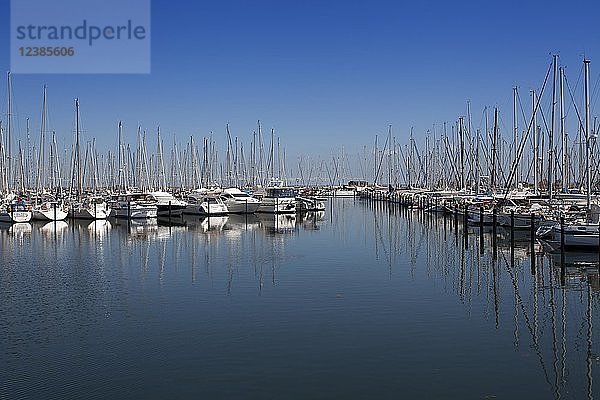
(16, 211)
(49, 211)
(92, 207)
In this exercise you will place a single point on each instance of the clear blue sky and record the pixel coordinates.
(322, 73)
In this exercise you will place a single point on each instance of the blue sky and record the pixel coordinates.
(324, 74)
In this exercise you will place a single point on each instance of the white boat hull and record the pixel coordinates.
(575, 236)
(277, 205)
(135, 212)
(90, 213)
(242, 208)
(16, 216)
(51, 214)
(203, 209)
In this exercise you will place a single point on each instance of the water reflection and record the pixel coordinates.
(398, 289)
(213, 223)
(18, 229)
(311, 220)
(50, 229)
(277, 223)
(546, 299)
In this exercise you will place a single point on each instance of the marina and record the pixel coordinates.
(239, 278)
(317, 200)
(259, 305)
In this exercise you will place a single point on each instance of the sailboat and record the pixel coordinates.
(46, 207)
(93, 206)
(578, 234)
(17, 210)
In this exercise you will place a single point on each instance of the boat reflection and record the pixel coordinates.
(138, 228)
(53, 228)
(310, 220)
(99, 228)
(213, 223)
(20, 228)
(178, 220)
(277, 223)
(242, 222)
(205, 224)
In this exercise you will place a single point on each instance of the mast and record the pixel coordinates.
(477, 164)
(3, 177)
(160, 164)
(76, 177)
(39, 181)
(516, 138)
(54, 168)
(535, 143)
(461, 134)
(272, 155)
(375, 163)
(9, 132)
(563, 134)
(120, 177)
(588, 176)
(551, 137)
(494, 156)
(28, 161)
(390, 158)
(261, 172)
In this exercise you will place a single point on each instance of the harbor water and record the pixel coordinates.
(366, 300)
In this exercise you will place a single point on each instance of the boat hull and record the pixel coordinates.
(277, 205)
(52, 214)
(135, 212)
(16, 216)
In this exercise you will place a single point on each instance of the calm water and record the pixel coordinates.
(362, 301)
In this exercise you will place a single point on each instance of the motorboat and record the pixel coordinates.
(278, 200)
(198, 204)
(239, 202)
(134, 205)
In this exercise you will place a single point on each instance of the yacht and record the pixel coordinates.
(278, 200)
(309, 203)
(167, 204)
(134, 205)
(239, 202)
(577, 235)
(205, 205)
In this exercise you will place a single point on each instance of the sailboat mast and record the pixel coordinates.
(551, 137)
(588, 176)
(121, 178)
(78, 151)
(9, 131)
(535, 144)
(40, 162)
(516, 138)
(272, 154)
(563, 134)
(477, 164)
(494, 150)
(461, 134)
